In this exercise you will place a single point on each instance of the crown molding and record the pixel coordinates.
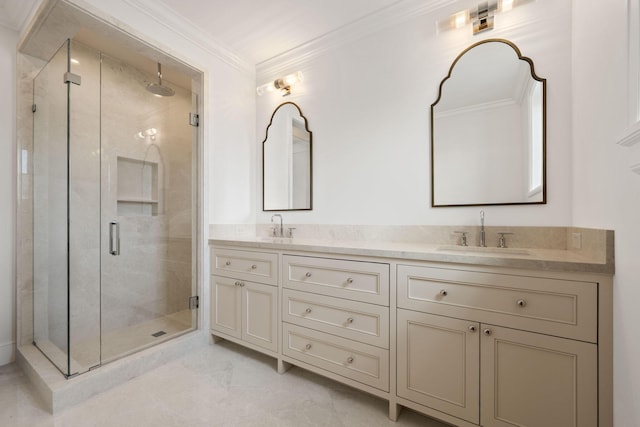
(484, 106)
(14, 14)
(182, 27)
(631, 136)
(398, 12)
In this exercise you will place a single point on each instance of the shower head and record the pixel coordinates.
(158, 88)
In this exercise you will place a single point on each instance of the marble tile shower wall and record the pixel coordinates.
(152, 277)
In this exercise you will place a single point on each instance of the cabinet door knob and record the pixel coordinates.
(227, 263)
(308, 346)
(308, 310)
(350, 360)
(472, 328)
(308, 274)
(237, 283)
(487, 331)
(521, 303)
(253, 267)
(350, 320)
(443, 293)
(349, 280)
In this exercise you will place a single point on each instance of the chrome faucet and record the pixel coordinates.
(482, 235)
(278, 232)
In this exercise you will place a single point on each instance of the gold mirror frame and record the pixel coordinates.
(310, 185)
(535, 77)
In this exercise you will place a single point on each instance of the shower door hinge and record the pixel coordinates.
(194, 119)
(72, 78)
(194, 302)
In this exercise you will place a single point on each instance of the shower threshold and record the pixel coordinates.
(59, 393)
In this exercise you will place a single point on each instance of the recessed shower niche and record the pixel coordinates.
(139, 186)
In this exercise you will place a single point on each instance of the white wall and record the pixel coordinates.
(606, 192)
(367, 103)
(8, 40)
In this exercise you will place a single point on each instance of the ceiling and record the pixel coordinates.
(14, 13)
(258, 30)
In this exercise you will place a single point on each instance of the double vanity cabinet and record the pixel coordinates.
(450, 337)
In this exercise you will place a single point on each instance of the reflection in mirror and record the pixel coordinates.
(286, 161)
(488, 130)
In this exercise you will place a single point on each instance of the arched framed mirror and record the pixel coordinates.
(488, 130)
(287, 161)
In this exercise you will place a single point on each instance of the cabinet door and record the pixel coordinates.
(438, 363)
(226, 306)
(530, 379)
(260, 315)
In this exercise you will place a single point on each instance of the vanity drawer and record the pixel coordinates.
(354, 320)
(360, 362)
(551, 306)
(255, 266)
(355, 280)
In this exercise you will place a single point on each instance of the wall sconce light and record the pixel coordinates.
(283, 85)
(482, 16)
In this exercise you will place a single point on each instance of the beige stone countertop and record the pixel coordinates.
(526, 258)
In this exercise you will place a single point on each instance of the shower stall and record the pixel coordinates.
(113, 180)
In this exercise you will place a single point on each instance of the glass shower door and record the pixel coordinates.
(66, 212)
(148, 196)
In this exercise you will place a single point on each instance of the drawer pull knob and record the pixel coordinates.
(472, 328)
(487, 331)
(308, 346)
(308, 274)
(253, 267)
(349, 280)
(443, 293)
(227, 263)
(521, 303)
(308, 310)
(350, 320)
(350, 360)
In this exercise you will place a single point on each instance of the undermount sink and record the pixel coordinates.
(486, 250)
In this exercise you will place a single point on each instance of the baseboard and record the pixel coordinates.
(7, 353)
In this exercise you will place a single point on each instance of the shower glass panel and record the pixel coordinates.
(66, 201)
(148, 153)
(114, 196)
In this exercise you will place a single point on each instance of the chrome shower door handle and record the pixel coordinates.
(114, 238)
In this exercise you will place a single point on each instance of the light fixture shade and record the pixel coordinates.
(282, 84)
(482, 16)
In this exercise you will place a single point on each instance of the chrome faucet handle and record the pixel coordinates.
(502, 241)
(290, 232)
(273, 231)
(463, 237)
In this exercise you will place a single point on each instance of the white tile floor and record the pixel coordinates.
(220, 385)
